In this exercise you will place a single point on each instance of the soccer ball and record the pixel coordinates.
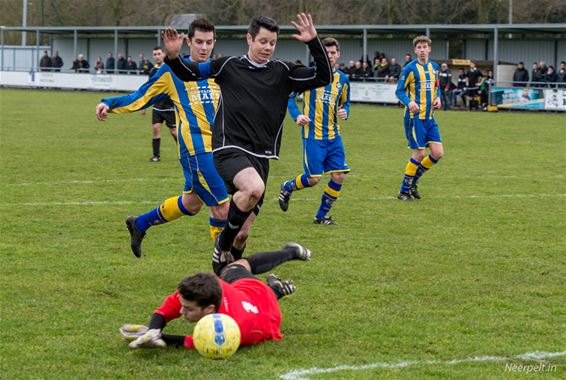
(216, 336)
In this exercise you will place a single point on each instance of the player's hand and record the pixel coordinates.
(305, 27)
(414, 107)
(132, 331)
(102, 111)
(151, 339)
(437, 103)
(342, 114)
(172, 42)
(303, 120)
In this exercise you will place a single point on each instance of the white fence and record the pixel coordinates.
(363, 92)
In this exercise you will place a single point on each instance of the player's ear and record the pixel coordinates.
(249, 38)
(210, 309)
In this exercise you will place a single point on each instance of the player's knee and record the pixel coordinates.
(313, 180)
(191, 203)
(338, 177)
(255, 192)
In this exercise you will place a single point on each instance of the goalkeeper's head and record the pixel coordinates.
(201, 295)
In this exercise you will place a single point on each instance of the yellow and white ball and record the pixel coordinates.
(216, 336)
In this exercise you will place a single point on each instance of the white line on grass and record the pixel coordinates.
(306, 199)
(303, 374)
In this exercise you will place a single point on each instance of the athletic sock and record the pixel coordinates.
(265, 261)
(426, 164)
(329, 196)
(171, 209)
(410, 173)
(216, 226)
(236, 219)
(156, 143)
(298, 183)
(237, 253)
(157, 321)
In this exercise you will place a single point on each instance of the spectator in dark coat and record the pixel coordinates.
(80, 64)
(408, 59)
(131, 65)
(383, 69)
(145, 67)
(520, 76)
(550, 78)
(110, 63)
(121, 64)
(394, 70)
(445, 84)
(561, 76)
(357, 74)
(45, 62)
(56, 62)
(367, 73)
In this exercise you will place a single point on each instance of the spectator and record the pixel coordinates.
(131, 66)
(484, 89)
(80, 64)
(121, 64)
(366, 69)
(394, 70)
(460, 90)
(383, 70)
(45, 62)
(351, 68)
(408, 59)
(357, 73)
(445, 83)
(146, 66)
(56, 62)
(110, 63)
(520, 76)
(537, 77)
(98, 66)
(550, 78)
(141, 62)
(561, 76)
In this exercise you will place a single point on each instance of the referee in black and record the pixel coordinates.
(248, 125)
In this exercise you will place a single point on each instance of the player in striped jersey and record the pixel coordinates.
(196, 104)
(323, 151)
(418, 90)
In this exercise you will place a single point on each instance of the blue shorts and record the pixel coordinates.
(421, 133)
(324, 156)
(202, 178)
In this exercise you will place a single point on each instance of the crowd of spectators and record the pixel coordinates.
(541, 75)
(382, 70)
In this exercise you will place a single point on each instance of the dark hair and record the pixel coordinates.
(329, 41)
(201, 24)
(158, 48)
(258, 22)
(202, 288)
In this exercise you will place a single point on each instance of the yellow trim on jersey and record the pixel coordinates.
(410, 82)
(318, 113)
(422, 91)
(306, 111)
(432, 85)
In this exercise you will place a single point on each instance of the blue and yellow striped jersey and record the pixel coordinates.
(195, 103)
(419, 83)
(321, 106)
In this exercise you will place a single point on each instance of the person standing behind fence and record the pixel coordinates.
(121, 64)
(445, 83)
(394, 70)
(520, 76)
(561, 76)
(110, 63)
(80, 64)
(45, 62)
(98, 65)
(131, 66)
(56, 62)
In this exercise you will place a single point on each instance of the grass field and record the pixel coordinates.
(397, 290)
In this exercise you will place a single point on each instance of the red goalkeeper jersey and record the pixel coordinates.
(250, 302)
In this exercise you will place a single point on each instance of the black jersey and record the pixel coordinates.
(165, 104)
(254, 97)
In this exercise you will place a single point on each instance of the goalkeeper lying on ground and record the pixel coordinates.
(252, 303)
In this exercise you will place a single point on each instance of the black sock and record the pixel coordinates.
(237, 253)
(236, 219)
(174, 340)
(265, 261)
(157, 321)
(156, 143)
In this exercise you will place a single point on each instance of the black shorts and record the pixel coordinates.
(168, 117)
(235, 272)
(230, 162)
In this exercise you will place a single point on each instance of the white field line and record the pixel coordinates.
(180, 179)
(306, 199)
(303, 374)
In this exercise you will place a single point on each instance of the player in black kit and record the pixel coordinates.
(248, 126)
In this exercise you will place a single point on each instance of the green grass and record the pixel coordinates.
(475, 268)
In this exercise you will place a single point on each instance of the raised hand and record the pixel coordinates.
(172, 42)
(305, 27)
